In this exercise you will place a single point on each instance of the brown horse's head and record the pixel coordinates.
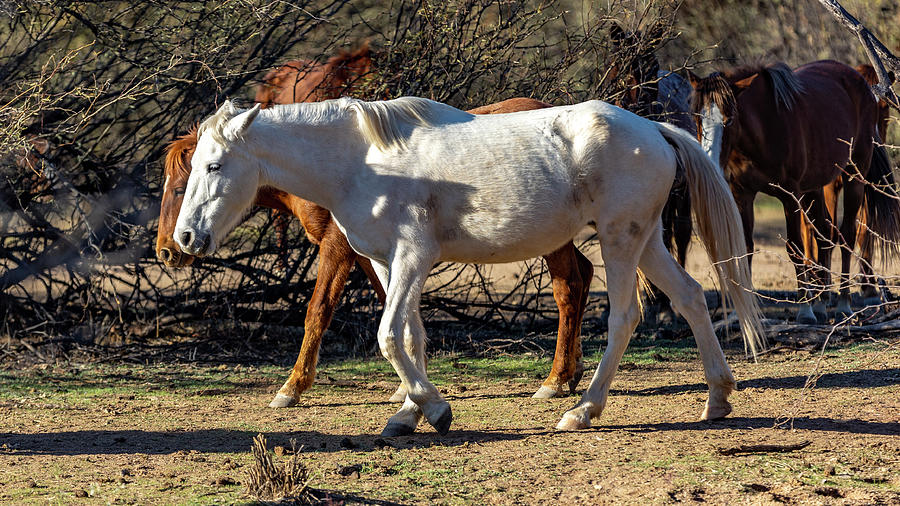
(176, 172)
(636, 69)
(307, 81)
(884, 110)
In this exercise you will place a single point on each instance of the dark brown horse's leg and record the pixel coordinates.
(821, 226)
(744, 201)
(793, 217)
(853, 199)
(661, 306)
(568, 291)
(336, 258)
(871, 290)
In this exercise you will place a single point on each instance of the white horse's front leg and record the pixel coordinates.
(400, 322)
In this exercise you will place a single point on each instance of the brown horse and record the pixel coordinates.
(789, 134)
(571, 271)
(870, 288)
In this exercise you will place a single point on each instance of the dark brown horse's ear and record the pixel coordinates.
(616, 33)
(693, 78)
(745, 83)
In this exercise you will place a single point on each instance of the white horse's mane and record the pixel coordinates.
(381, 122)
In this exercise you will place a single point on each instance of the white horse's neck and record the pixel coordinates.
(308, 150)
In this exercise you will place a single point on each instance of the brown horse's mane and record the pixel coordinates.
(717, 88)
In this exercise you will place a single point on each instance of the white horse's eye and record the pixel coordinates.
(213, 167)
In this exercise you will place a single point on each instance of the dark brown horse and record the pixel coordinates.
(571, 272)
(659, 95)
(870, 289)
(789, 134)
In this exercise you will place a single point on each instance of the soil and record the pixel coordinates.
(179, 432)
(182, 433)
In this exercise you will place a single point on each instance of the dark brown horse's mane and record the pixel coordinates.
(175, 154)
(713, 89)
(717, 88)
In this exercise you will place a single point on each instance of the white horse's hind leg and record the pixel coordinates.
(687, 298)
(621, 276)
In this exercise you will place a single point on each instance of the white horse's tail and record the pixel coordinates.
(719, 224)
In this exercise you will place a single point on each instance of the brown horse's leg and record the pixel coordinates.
(281, 220)
(366, 265)
(336, 258)
(586, 269)
(568, 291)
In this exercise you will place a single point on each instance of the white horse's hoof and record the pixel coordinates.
(399, 395)
(442, 419)
(546, 392)
(282, 401)
(715, 413)
(393, 429)
(574, 419)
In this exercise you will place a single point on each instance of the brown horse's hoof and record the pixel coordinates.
(282, 401)
(546, 392)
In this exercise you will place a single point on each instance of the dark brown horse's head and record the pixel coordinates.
(884, 110)
(636, 69)
(716, 99)
(176, 172)
(307, 81)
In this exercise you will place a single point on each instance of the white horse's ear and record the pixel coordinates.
(227, 109)
(239, 124)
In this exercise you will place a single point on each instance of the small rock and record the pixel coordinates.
(30, 483)
(125, 472)
(80, 493)
(348, 443)
(829, 470)
(222, 481)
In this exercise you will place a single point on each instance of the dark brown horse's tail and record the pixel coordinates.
(882, 206)
(719, 227)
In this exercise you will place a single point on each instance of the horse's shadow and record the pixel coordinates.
(854, 426)
(869, 378)
(114, 442)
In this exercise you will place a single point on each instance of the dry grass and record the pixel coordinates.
(268, 481)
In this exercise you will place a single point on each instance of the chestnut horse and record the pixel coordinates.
(571, 272)
(870, 290)
(786, 133)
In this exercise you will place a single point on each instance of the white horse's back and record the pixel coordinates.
(562, 167)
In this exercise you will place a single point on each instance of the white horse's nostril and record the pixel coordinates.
(186, 237)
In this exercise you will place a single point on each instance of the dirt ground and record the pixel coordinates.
(166, 432)
(181, 433)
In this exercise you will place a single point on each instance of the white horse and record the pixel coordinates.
(412, 182)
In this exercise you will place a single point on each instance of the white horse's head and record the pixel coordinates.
(223, 181)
